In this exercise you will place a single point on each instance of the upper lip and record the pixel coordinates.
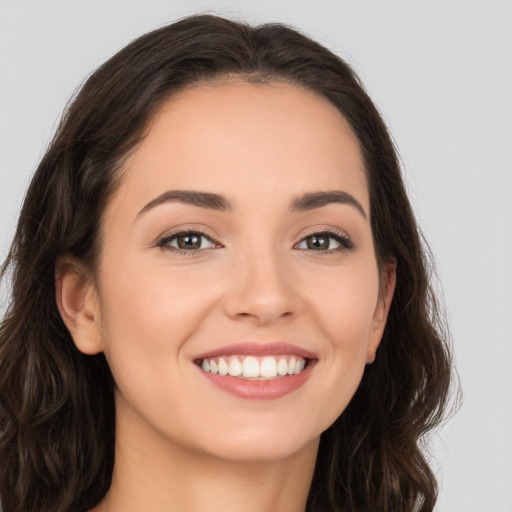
(251, 348)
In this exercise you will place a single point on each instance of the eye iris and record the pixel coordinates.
(189, 241)
(318, 242)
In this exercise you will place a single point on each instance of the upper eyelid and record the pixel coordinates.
(183, 230)
(334, 232)
(339, 235)
(165, 238)
(328, 231)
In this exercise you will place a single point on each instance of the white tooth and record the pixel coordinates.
(282, 366)
(223, 367)
(302, 364)
(235, 367)
(251, 367)
(213, 366)
(205, 365)
(297, 366)
(268, 367)
(291, 366)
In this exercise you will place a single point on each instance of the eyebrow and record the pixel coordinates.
(208, 200)
(201, 199)
(314, 200)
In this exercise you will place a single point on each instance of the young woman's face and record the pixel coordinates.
(238, 291)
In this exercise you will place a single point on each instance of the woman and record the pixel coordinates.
(220, 299)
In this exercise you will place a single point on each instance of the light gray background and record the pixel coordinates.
(441, 73)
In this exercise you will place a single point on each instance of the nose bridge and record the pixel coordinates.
(262, 285)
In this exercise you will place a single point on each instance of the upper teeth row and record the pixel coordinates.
(251, 367)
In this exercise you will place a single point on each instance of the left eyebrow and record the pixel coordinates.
(314, 200)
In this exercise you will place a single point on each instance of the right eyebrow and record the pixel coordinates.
(192, 197)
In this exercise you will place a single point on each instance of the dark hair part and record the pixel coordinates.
(57, 425)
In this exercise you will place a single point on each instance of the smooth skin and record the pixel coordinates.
(256, 273)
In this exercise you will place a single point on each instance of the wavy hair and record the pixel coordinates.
(57, 416)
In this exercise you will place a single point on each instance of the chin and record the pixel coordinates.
(269, 437)
(265, 449)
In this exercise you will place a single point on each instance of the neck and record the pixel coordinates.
(150, 473)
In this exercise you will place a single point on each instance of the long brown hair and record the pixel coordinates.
(57, 418)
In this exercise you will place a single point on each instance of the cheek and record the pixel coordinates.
(344, 303)
(147, 298)
(344, 315)
(148, 313)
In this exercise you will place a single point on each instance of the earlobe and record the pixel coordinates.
(387, 289)
(78, 304)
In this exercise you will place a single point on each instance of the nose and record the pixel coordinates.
(262, 287)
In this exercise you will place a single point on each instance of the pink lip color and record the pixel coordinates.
(259, 389)
(258, 349)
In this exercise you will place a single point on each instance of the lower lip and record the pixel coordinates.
(260, 389)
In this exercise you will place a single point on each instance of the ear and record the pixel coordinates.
(77, 302)
(380, 316)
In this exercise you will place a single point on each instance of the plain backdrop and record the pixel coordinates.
(441, 74)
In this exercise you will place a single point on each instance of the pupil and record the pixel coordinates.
(318, 242)
(189, 242)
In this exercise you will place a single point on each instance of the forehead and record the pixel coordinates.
(235, 137)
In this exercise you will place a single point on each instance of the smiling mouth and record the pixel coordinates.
(248, 367)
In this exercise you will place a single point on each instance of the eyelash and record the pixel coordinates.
(164, 242)
(345, 242)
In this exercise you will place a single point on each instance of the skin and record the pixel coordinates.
(183, 444)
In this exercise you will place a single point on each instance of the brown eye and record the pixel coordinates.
(189, 241)
(186, 241)
(326, 242)
(318, 243)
